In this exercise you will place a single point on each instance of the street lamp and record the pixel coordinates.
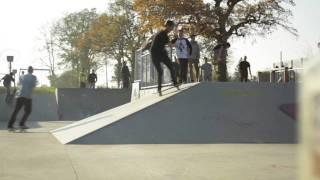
(10, 60)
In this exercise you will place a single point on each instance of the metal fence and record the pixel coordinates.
(280, 75)
(289, 71)
(145, 71)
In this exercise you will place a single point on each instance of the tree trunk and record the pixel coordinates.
(221, 54)
(133, 60)
(222, 71)
(118, 71)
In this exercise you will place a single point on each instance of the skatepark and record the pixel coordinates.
(203, 131)
(160, 90)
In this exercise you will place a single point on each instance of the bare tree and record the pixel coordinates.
(48, 49)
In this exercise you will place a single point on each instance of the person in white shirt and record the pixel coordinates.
(183, 52)
(21, 76)
(28, 83)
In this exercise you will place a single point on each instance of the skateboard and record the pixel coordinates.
(18, 130)
(171, 87)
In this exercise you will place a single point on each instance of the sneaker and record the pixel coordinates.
(11, 129)
(176, 85)
(24, 127)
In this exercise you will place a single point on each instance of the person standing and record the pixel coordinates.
(160, 55)
(92, 79)
(24, 99)
(207, 70)
(21, 76)
(7, 79)
(244, 66)
(183, 52)
(194, 59)
(125, 75)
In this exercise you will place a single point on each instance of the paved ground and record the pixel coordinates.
(37, 155)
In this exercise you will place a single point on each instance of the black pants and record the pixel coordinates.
(176, 68)
(8, 90)
(194, 64)
(21, 101)
(157, 58)
(125, 82)
(244, 76)
(183, 70)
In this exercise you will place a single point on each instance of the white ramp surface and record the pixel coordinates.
(204, 113)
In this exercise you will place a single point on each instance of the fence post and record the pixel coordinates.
(286, 74)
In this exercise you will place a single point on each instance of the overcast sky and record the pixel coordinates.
(22, 20)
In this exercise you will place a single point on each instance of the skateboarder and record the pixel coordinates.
(243, 67)
(159, 54)
(28, 82)
(7, 79)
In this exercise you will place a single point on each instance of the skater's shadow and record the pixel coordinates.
(32, 125)
(167, 92)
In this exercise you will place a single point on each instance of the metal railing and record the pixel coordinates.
(145, 71)
(280, 75)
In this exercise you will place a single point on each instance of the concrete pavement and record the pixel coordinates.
(37, 155)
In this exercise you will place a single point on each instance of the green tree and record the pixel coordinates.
(128, 38)
(68, 79)
(74, 41)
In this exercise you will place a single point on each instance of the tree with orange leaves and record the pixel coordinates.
(218, 20)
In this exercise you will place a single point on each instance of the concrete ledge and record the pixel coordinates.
(80, 103)
(44, 108)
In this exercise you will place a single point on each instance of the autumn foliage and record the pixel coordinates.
(218, 20)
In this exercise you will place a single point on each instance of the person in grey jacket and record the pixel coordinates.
(194, 59)
(28, 83)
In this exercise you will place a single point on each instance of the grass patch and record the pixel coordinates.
(37, 90)
(2, 90)
(44, 90)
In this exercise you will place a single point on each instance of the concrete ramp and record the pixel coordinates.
(199, 114)
(79, 129)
